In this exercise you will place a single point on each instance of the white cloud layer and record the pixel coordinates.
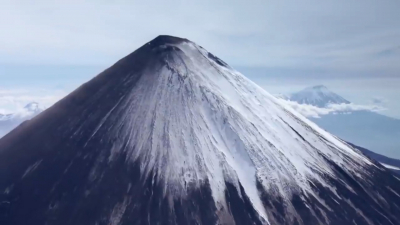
(316, 112)
(13, 101)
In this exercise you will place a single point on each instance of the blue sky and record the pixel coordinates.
(353, 47)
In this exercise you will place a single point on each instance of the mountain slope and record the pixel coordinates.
(318, 95)
(171, 134)
(392, 164)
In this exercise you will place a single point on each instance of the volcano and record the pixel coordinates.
(171, 134)
(318, 95)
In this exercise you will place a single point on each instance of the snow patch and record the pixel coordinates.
(390, 167)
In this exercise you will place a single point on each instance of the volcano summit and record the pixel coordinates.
(171, 134)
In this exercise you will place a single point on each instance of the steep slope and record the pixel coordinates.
(318, 95)
(171, 134)
(367, 129)
(10, 121)
(392, 164)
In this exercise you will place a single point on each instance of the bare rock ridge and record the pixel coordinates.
(171, 134)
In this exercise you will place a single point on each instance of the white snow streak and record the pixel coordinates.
(390, 167)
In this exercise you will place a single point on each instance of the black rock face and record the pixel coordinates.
(56, 170)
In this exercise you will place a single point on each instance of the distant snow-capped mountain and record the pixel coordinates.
(12, 120)
(318, 95)
(33, 107)
(366, 128)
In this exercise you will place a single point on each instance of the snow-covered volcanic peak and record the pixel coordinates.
(318, 95)
(188, 121)
(210, 123)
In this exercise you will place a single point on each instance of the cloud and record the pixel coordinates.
(353, 107)
(13, 101)
(339, 34)
(316, 112)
